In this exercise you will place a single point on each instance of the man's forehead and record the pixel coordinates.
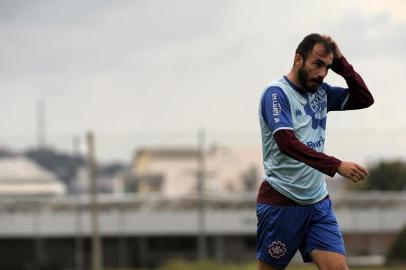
(320, 52)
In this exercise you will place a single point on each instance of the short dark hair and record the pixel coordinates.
(306, 46)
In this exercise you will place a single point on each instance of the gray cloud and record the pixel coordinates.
(173, 65)
(370, 36)
(86, 37)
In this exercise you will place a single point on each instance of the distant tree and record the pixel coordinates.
(397, 251)
(385, 176)
(5, 153)
(111, 169)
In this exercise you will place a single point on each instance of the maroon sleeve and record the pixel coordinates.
(292, 147)
(359, 97)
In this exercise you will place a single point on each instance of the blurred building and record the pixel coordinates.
(20, 176)
(112, 181)
(173, 172)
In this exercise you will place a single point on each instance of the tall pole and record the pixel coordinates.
(96, 241)
(201, 217)
(79, 258)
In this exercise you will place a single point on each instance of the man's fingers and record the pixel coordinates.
(357, 173)
(327, 37)
(365, 172)
(357, 177)
(360, 173)
(354, 179)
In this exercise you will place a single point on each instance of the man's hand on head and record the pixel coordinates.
(334, 47)
(352, 171)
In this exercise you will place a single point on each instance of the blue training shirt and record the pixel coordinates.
(282, 106)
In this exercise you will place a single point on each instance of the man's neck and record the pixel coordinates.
(293, 78)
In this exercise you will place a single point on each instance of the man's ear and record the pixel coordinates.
(298, 60)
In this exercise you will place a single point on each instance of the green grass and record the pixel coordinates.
(209, 265)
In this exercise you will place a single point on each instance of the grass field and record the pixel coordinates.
(182, 265)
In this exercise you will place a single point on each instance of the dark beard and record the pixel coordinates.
(303, 78)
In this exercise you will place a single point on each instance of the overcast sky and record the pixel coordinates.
(123, 68)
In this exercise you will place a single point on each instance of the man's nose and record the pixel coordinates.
(323, 72)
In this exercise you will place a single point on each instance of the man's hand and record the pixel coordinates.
(352, 171)
(334, 47)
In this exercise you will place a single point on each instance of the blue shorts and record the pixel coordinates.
(282, 230)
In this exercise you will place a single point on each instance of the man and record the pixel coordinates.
(293, 208)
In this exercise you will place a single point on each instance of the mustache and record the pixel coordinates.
(318, 80)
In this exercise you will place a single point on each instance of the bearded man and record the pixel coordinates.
(294, 210)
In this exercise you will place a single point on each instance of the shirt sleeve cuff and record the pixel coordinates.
(335, 164)
(340, 65)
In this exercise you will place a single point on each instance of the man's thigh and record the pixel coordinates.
(327, 260)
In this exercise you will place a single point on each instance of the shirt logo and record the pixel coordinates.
(298, 112)
(277, 249)
(316, 108)
(276, 108)
(316, 144)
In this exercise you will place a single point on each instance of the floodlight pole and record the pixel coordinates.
(79, 258)
(96, 241)
(201, 216)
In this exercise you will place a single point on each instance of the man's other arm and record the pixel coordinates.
(359, 95)
(329, 165)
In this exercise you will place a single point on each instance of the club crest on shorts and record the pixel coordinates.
(277, 249)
